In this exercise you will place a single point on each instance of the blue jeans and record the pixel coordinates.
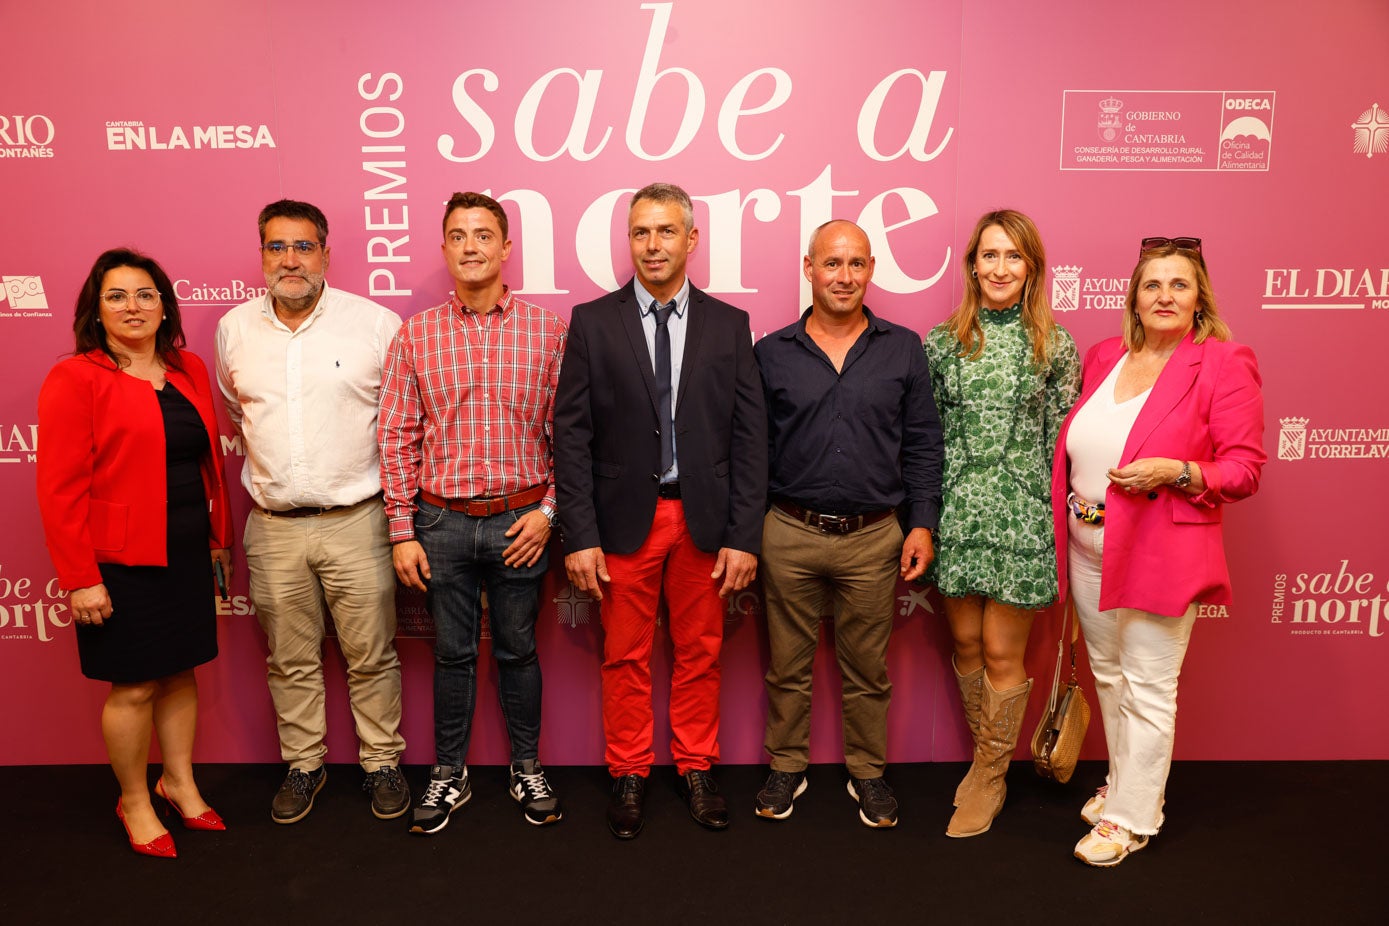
(465, 555)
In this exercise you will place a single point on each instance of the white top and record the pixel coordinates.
(304, 401)
(1095, 441)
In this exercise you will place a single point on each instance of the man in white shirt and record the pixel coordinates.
(300, 369)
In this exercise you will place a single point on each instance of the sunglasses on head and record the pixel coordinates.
(1185, 244)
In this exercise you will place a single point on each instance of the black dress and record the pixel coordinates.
(163, 618)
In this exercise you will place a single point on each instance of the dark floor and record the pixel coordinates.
(1276, 842)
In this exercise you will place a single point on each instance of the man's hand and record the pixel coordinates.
(586, 568)
(737, 567)
(532, 533)
(917, 553)
(411, 565)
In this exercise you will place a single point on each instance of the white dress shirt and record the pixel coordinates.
(304, 401)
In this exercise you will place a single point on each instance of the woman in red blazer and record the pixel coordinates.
(1169, 428)
(136, 517)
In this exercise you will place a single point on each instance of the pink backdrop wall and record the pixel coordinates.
(166, 126)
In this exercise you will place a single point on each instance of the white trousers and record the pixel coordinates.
(1136, 657)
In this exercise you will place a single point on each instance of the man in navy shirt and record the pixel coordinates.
(856, 456)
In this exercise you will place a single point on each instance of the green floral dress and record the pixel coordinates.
(1000, 416)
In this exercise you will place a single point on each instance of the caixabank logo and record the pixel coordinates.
(26, 136)
(1298, 441)
(135, 135)
(1344, 600)
(23, 297)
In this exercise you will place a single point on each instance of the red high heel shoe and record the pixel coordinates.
(207, 820)
(161, 846)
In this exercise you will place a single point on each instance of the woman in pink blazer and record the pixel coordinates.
(1169, 427)
(134, 508)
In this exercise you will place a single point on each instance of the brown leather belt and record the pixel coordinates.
(486, 507)
(833, 523)
(312, 511)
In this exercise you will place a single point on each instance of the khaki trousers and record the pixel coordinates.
(341, 559)
(807, 574)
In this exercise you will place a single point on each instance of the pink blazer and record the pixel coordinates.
(1164, 549)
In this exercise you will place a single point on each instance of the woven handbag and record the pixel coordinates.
(1057, 741)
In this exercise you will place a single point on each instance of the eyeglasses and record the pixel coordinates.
(281, 248)
(118, 299)
(1185, 244)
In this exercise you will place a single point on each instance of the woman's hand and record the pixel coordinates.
(90, 605)
(224, 557)
(1146, 474)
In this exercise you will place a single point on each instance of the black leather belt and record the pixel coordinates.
(833, 523)
(668, 490)
(312, 511)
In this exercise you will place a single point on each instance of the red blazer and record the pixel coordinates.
(101, 470)
(1164, 549)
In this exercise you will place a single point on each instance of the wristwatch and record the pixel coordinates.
(1184, 480)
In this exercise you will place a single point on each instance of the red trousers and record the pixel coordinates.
(668, 561)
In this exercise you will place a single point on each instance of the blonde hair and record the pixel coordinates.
(1037, 319)
(1207, 322)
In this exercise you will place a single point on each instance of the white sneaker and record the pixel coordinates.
(1108, 844)
(1093, 811)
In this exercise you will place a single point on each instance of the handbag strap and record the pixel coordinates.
(1067, 615)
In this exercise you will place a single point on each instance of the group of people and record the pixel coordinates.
(678, 461)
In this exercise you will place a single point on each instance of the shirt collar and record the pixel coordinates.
(504, 303)
(268, 310)
(797, 332)
(644, 299)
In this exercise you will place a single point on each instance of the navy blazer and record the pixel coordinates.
(607, 440)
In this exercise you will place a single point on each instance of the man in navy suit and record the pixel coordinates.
(661, 477)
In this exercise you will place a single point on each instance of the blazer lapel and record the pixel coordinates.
(630, 314)
(694, 330)
(1172, 385)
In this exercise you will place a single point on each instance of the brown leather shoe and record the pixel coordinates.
(707, 805)
(625, 817)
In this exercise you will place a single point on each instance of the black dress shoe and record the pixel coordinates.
(707, 805)
(624, 810)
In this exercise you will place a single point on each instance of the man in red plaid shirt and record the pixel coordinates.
(466, 434)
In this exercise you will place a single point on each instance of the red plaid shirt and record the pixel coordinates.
(467, 406)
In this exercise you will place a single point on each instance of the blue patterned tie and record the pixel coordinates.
(662, 315)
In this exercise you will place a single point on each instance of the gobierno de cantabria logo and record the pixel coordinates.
(1297, 441)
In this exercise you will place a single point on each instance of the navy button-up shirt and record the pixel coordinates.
(858, 440)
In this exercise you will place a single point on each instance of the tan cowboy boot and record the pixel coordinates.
(971, 691)
(1000, 718)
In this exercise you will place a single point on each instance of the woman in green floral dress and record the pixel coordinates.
(1005, 375)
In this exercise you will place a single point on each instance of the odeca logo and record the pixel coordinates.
(133, 135)
(26, 136)
(23, 297)
(1370, 133)
(1296, 441)
(1070, 290)
(1342, 600)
